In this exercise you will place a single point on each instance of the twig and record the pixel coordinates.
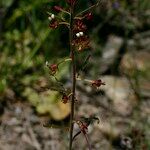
(87, 140)
(88, 9)
(76, 135)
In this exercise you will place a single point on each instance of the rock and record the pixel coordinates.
(136, 65)
(48, 102)
(142, 40)
(110, 52)
(84, 110)
(10, 94)
(55, 145)
(13, 122)
(113, 126)
(119, 91)
(133, 61)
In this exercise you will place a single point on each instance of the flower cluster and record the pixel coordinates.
(79, 26)
(80, 39)
(53, 22)
(81, 43)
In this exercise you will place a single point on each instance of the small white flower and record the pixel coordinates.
(52, 16)
(78, 34)
(49, 18)
(46, 63)
(81, 33)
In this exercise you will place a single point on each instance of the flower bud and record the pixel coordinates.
(46, 63)
(53, 68)
(54, 24)
(65, 98)
(49, 18)
(81, 33)
(88, 16)
(97, 83)
(57, 8)
(52, 16)
(78, 34)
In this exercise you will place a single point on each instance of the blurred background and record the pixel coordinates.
(120, 46)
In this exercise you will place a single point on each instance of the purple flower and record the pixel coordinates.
(116, 5)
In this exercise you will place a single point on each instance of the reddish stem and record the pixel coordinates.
(73, 76)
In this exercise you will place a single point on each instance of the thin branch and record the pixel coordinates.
(64, 23)
(65, 60)
(87, 140)
(76, 135)
(65, 12)
(88, 9)
(82, 79)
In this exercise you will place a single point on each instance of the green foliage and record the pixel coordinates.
(24, 37)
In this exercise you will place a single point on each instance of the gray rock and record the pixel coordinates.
(136, 66)
(119, 91)
(110, 52)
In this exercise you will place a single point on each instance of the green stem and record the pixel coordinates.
(73, 77)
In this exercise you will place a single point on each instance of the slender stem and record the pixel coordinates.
(65, 60)
(87, 140)
(86, 80)
(88, 9)
(64, 23)
(76, 135)
(73, 76)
